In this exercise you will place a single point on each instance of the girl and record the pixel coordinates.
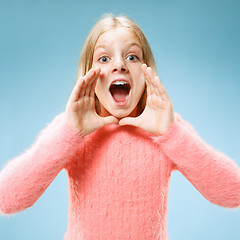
(118, 140)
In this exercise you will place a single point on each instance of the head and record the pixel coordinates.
(110, 28)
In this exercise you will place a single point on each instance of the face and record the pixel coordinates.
(118, 53)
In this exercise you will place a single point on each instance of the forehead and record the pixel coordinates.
(119, 35)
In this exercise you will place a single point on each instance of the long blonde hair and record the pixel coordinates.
(108, 22)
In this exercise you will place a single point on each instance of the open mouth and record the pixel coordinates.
(120, 91)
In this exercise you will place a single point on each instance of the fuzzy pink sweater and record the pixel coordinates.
(118, 177)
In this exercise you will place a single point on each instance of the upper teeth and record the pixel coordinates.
(120, 83)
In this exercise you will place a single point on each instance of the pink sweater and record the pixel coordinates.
(118, 177)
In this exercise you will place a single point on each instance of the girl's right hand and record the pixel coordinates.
(80, 112)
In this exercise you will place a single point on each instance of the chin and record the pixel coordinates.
(121, 113)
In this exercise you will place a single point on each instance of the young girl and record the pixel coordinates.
(118, 140)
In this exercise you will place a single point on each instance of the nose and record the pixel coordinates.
(120, 66)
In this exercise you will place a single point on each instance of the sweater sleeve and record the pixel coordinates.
(24, 179)
(212, 173)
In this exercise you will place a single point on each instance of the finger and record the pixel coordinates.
(108, 120)
(93, 87)
(162, 91)
(76, 90)
(157, 86)
(144, 69)
(146, 76)
(90, 83)
(125, 121)
(150, 80)
(128, 121)
(88, 77)
(155, 82)
(150, 73)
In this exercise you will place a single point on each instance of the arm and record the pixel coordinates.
(25, 178)
(215, 175)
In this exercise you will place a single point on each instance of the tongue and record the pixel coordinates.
(119, 95)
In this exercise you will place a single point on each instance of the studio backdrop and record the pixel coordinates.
(197, 51)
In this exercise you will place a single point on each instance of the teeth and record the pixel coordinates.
(120, 83)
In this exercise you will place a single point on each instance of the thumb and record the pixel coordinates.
(128, 121)
(109, 120)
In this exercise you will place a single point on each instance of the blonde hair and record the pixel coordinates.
(108, 22)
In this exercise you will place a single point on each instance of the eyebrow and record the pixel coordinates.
(129, 44)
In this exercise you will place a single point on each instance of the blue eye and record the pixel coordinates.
(104, 59)
(132, 57)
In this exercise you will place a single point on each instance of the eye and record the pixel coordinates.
(104, 59)
(132, 57)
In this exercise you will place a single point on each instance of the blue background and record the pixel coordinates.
(197, 50)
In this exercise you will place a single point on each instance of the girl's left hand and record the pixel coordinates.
(158, 114)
